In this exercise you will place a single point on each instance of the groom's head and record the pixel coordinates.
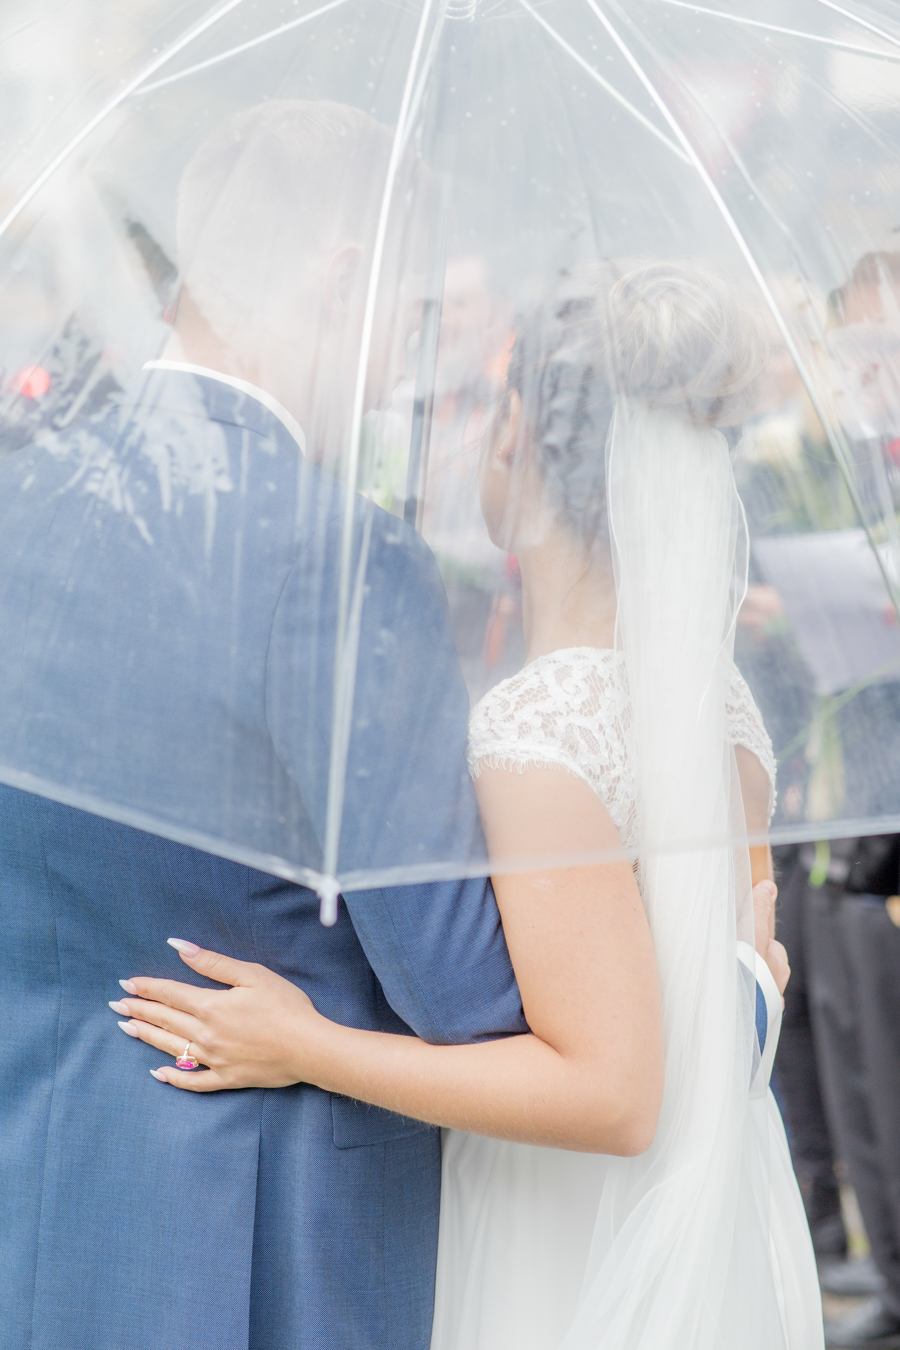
(277, 218)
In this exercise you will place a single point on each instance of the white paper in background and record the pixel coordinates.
(837, 604)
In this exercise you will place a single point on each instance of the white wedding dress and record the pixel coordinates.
(517, 1221)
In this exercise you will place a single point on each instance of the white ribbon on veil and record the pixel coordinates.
(682, 1256)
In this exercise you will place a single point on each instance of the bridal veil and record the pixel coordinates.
(691, 1239)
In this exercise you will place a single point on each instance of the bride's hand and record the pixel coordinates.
(772, 951)
(262, 1032)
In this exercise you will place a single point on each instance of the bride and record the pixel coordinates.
(618, 1180)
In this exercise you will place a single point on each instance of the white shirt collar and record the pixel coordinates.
(289, 423)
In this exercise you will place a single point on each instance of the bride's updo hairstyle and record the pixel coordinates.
(672, 335)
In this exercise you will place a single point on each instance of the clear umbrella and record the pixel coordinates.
(365, 361)
(517, 143)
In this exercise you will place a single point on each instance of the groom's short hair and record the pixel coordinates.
(274, 185)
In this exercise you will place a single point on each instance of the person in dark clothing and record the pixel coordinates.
(797, 1074)
(854, 992)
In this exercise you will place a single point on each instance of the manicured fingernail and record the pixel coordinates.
(157, 1074)
(186, 948)
(128, 1028)
(121, 1008)
(129, 986)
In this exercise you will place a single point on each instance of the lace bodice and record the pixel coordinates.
(568, 708)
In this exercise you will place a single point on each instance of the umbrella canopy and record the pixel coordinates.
(356, 211)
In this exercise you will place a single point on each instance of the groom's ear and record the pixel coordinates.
(342, 276)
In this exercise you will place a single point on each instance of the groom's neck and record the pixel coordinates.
(194, 342)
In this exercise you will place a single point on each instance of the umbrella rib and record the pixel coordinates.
(123, 94)
(864, 23)
(604, 84)
(505, 4)
(834, 440)
(416, 874)
(344, 641)
(151, 823)
(785, 32)
(236, 51)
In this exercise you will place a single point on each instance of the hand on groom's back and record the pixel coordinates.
(265, 1032)
(262, 1032)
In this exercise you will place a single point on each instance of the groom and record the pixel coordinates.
(169, 587)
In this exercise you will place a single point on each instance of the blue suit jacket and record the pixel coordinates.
(168, 583)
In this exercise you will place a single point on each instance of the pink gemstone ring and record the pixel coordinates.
(186, 1060)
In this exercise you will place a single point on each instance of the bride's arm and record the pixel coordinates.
(755, 791)
(590, 1077)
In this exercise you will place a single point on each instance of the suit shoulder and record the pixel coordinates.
(397, 545)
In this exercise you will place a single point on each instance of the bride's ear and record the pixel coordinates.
(506, 441)
(499, 486)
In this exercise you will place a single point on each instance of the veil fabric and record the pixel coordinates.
(682, 1256)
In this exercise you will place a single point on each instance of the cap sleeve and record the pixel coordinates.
(566, 710)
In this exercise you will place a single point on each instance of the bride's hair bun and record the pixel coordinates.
(680, 339)
(672, 334)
